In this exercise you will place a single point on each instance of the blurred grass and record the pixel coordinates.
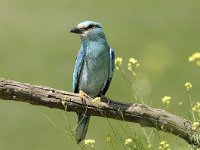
(35, 47)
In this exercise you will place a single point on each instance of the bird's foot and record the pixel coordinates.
(83, 95)
(96, 99)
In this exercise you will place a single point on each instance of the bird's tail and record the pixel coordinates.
(82, 127)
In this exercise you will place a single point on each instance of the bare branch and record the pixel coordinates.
(138, 113)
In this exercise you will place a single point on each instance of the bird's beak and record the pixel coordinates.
(76, 30)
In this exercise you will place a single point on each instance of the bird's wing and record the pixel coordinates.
(111, 71)
(77, 69)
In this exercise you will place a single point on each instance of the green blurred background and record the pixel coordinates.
(36, 47)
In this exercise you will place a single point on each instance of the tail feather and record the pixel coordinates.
(82, 126)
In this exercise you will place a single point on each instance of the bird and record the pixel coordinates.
(93, 68)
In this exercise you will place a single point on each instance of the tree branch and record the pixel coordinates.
(138, 113)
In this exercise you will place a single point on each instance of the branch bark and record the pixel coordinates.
(138, 113)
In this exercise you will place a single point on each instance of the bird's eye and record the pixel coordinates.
(91, 26)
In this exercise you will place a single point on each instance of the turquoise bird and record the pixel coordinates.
(93, 69)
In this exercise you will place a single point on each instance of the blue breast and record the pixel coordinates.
(95, 71)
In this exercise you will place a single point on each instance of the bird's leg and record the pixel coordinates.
(105, 99)
(83, 95)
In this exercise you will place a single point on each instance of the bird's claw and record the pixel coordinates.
(96, 99)
(83, 95)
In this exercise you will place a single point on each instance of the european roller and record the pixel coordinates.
(93, 69)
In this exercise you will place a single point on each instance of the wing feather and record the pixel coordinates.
(111, 71)
(77, 69)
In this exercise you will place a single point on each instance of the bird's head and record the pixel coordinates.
(88, 29)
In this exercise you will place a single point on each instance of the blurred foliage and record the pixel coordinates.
(36, 47)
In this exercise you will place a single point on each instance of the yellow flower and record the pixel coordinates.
(90, 142)
(132, 64)
(128, 141)
(133, 60)
(118, 62)
(166, 100)
(195, 125)
(149, 146)
(188, 86)
(196, 107)
(195, 58)
(164, 145)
